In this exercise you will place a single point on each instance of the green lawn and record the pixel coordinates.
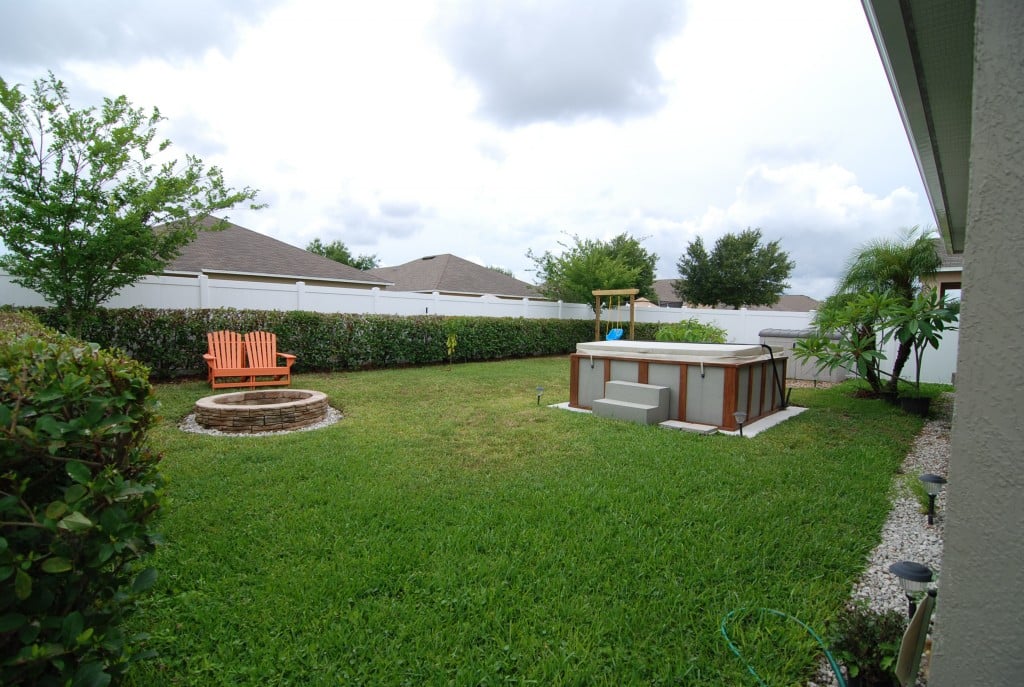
(450, 531)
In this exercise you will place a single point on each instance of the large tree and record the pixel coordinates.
(590, 264)
(339, 252)
(81, 191)
(739, 271)
(888, 267)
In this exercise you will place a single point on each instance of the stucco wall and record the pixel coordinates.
(979, 628)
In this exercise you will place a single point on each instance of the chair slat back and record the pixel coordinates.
(227, 347)
(261, 348)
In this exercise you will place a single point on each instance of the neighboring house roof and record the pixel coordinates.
(451, 274)
(663, 287)
(951, 262)
(789, 302)
(238, 251)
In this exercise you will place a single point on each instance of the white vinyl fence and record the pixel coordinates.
(743, 326)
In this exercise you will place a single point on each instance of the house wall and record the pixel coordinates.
(944, 281)
(979, 633)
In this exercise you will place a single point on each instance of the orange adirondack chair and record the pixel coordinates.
(261, 353)
(225, 360)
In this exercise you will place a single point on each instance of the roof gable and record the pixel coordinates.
(242, 251)
(451, 274)
(788, 302)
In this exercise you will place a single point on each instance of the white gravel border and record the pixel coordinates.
(906, 534)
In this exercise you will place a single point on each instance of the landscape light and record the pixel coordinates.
(540, 392)
(914, 579)
(933, 485)
(740, 417)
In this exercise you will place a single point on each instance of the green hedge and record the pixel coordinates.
(691, 330)
(79, 489)
(171, 342)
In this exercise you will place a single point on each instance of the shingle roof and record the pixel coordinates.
(663, 287)
(451, 274)
(238, 250)
(950, 261)
(791, 302)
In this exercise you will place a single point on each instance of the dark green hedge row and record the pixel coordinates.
(171, 342)
(79, 490)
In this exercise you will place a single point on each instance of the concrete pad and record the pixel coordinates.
(751, 430)
(755, 428)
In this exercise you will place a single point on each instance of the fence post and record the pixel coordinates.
(300, 295)
(376, 298)
(204, 292)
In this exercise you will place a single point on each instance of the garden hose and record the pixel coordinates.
(750, 669)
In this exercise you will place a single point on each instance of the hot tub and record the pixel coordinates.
(707, 382)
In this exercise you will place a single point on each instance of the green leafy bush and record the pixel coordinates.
(691, 330)
(868, 643)
(171, 342)
(78, 492)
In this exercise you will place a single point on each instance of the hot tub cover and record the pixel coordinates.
(673, 350)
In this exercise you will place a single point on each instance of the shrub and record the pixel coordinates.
(868, 643)
(78, 492)
(691, 330)
(172, 342)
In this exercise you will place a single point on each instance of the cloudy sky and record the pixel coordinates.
(486, 128)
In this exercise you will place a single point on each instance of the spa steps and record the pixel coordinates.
(643, 403)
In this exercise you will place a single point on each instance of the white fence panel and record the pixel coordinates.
(938, 365)
(170, 292)
(13, 294)
(742, 326)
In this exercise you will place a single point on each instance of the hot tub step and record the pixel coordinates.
(642, 413)
(694, 427)
(631, 392)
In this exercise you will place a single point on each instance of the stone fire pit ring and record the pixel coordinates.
(264, 410)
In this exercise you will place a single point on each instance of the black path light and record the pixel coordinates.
(740, 417)
(540, 392)
(933, 485)
(914, 579)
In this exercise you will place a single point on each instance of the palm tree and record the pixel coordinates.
(895, 267)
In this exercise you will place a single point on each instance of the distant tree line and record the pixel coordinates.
(739, 271)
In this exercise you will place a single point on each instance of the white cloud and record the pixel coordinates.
(819, 213)
(43, 32)
(370, 123)
(560, 60)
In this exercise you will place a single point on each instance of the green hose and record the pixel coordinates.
(732, 647)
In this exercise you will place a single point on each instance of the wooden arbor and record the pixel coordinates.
(597, 293)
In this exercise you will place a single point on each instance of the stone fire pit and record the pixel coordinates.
(266, 410)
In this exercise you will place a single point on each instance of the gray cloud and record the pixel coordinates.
(818, 213)
(358, 224)
(192, 135)
(44, 33)
(399, 209)
(560, 60)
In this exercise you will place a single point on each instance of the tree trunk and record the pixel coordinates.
(902, 355)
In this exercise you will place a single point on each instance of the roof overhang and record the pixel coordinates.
(927, 49)
(282, 277)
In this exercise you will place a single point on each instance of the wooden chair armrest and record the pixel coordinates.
(208, 357)
(287, 356)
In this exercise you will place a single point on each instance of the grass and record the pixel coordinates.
(450, 531)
